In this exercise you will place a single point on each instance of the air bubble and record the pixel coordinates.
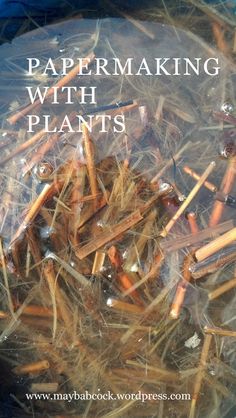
(227, 108)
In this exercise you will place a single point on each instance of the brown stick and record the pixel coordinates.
(225, 188)
(135, 22)
(67, 267)
(199, 377)
(44, 148)
(98, 262)
(54, 289)
(219, 34)
(224, 117)
(217, 261)
(35, 138)
(44, 387)
(48, 191)
(89, 153)
(216, 245)
(219, 331)
(75, 202)
(34, 247)
(188, 200)
(191, 239)
(225, 287)
(181, 289)
(151, 275)
(196, 176)
(127, 284)
(5, 277)
(155, 269)
(62, 82)
(4, 315)
(36, 367)
(35, 310)
(124, 306)
(140, 243)
(108, 236)
(115, 257)
(89, 197)
(192, 220)
(124, 109)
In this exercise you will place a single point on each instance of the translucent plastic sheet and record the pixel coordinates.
(93, 268)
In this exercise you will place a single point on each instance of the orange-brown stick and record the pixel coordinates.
(107, 236)
(154, 271)
(35, 310)
(33, 211)
(124, 306)
(219, 35)
(123, 277)
(181, 289)
(21, 148)
(62, 82)
(192, 220)
(226, 186)
(4, 315)
(115, 257)
(46, 193)
(127, 283)
(216, 245)
(36, 367)
(196, 176)
(178, 300)
(89, 153)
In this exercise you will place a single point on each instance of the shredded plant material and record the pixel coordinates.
(117, 246)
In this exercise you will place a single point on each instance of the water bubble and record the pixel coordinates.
(164, 187)
(109, 302)
(44, 170)
(227, 149)
(227, 107)
(134, 267)
(101, 223)
(124, 254)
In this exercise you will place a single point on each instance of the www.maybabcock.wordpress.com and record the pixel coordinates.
(108, 396)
